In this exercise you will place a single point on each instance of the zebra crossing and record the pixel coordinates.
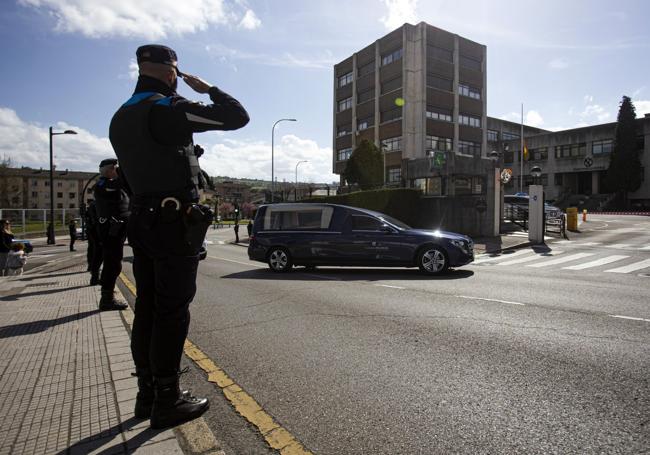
(591, 260)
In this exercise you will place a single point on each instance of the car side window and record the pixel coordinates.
(365, 223)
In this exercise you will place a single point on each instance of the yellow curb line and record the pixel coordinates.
(275, 435)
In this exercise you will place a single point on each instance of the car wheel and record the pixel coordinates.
(432, 260)
(279, 260)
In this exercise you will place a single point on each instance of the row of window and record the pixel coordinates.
(432, 143)
(469, 120)
(469, 148)
(58, 184)
(566, 151)
(58, 195)
(570, 150)
(436, 186)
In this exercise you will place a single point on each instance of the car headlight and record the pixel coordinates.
(460, 244)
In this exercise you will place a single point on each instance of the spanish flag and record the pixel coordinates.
(525, 152)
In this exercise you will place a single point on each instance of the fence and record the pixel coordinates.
(33, 222)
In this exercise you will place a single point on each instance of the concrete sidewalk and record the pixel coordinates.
(65, 371)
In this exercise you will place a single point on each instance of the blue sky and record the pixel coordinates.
(70, 64)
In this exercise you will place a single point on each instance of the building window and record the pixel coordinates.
(469, 120)
(640, 143)
(506, 136)
(492, 136)
(570, 150)
(440, 54)
(343, 130)
(365, 123)
(469, 148)
(444, 144)
(471, 63)
(59, 205)
(601, 147)
(343, 154)
(72, 195)
(469, 91)
(391, 85)
(59, 195)
(540, 154)
(439, 113)
(345, 79)
(366, 95)
(59, 184)
(558, 180)
(366, 69)
(440, 83)
(394, 175)
(72, 206)
(432, 186)
(387, 59)
(392, 144)
(34, 182)
(345, 104)
(47, 183)
(34, 194)
(391, 115)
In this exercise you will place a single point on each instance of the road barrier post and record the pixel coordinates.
(584, 215)
(572, 219)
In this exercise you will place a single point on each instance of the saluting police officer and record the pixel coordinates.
(112, 207)
(152, 137)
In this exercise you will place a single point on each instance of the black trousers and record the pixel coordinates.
(95, 255)
(165, 267)
(112, 248)
(73, 237)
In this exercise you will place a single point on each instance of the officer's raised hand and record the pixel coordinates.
(196, 83)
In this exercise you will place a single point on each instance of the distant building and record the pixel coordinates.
(233, 192)
(27, 188)
(420, 94)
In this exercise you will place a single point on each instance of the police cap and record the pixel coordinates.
(108, 162)
(157, 53)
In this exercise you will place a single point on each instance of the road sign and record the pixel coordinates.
(589, 161)
(506, 175)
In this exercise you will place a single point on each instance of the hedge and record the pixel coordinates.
(400, 203)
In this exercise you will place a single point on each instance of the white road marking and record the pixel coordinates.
(490, 300)
(631, 267)
(487, 258)
(238, 262)
(531, 258)
(618, 316)
(645, 248)
(562, 260)
(389, 286)
(596, 263)
(619, 245)
(590, 243)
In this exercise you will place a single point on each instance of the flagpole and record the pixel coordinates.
(521, 157)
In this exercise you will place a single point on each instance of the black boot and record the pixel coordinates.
(172, 407)
(94, 280)
(144, 398)
(108, 302)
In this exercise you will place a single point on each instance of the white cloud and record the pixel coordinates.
(559, 63)
(250, 21)
(399, 12)
(27, 144)
(252, 159)
(323, 61)
(642, 107)
(150, 19)
(588, 99)
(533, 118)
(595, 112)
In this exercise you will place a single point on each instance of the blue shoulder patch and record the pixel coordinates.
(135, 99)
(165, 101)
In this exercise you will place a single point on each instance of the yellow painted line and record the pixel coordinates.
(276, 436)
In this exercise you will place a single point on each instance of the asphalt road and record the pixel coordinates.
(544, 350)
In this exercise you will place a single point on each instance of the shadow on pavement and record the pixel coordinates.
(107, 442)
(29, 328)
(47, 275)
(15, 297)
(347, 274)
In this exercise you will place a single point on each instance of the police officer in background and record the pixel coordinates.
(112, 207)
(152, 137)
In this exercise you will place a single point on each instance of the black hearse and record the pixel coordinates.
(328, 234)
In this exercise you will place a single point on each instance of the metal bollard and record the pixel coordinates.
(584, 215)
(572, 219)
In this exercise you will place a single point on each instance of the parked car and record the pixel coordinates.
(310, 235)
(515, 206)
(26, 243)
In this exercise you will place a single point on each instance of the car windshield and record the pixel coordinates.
(394, 222)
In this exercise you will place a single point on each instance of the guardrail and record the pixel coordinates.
(518, 215)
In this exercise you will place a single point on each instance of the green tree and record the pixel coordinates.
(624, 174)
(365, 166)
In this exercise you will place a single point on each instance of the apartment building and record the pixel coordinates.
(27, 188)
(417, 92)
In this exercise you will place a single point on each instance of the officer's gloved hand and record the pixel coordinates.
(198, 150)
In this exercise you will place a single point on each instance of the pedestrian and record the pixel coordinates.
(95, 255)
(249, 228)
(72, 227)
(152, 137)
(6, 239)
(236, 228)
(112, 207)
(16, 259)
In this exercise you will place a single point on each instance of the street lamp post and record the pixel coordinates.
(272, 157)
(51, 237)
(296, 187)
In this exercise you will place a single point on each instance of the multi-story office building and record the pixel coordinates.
(420, 93)
(416, 91)
(26, 188)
